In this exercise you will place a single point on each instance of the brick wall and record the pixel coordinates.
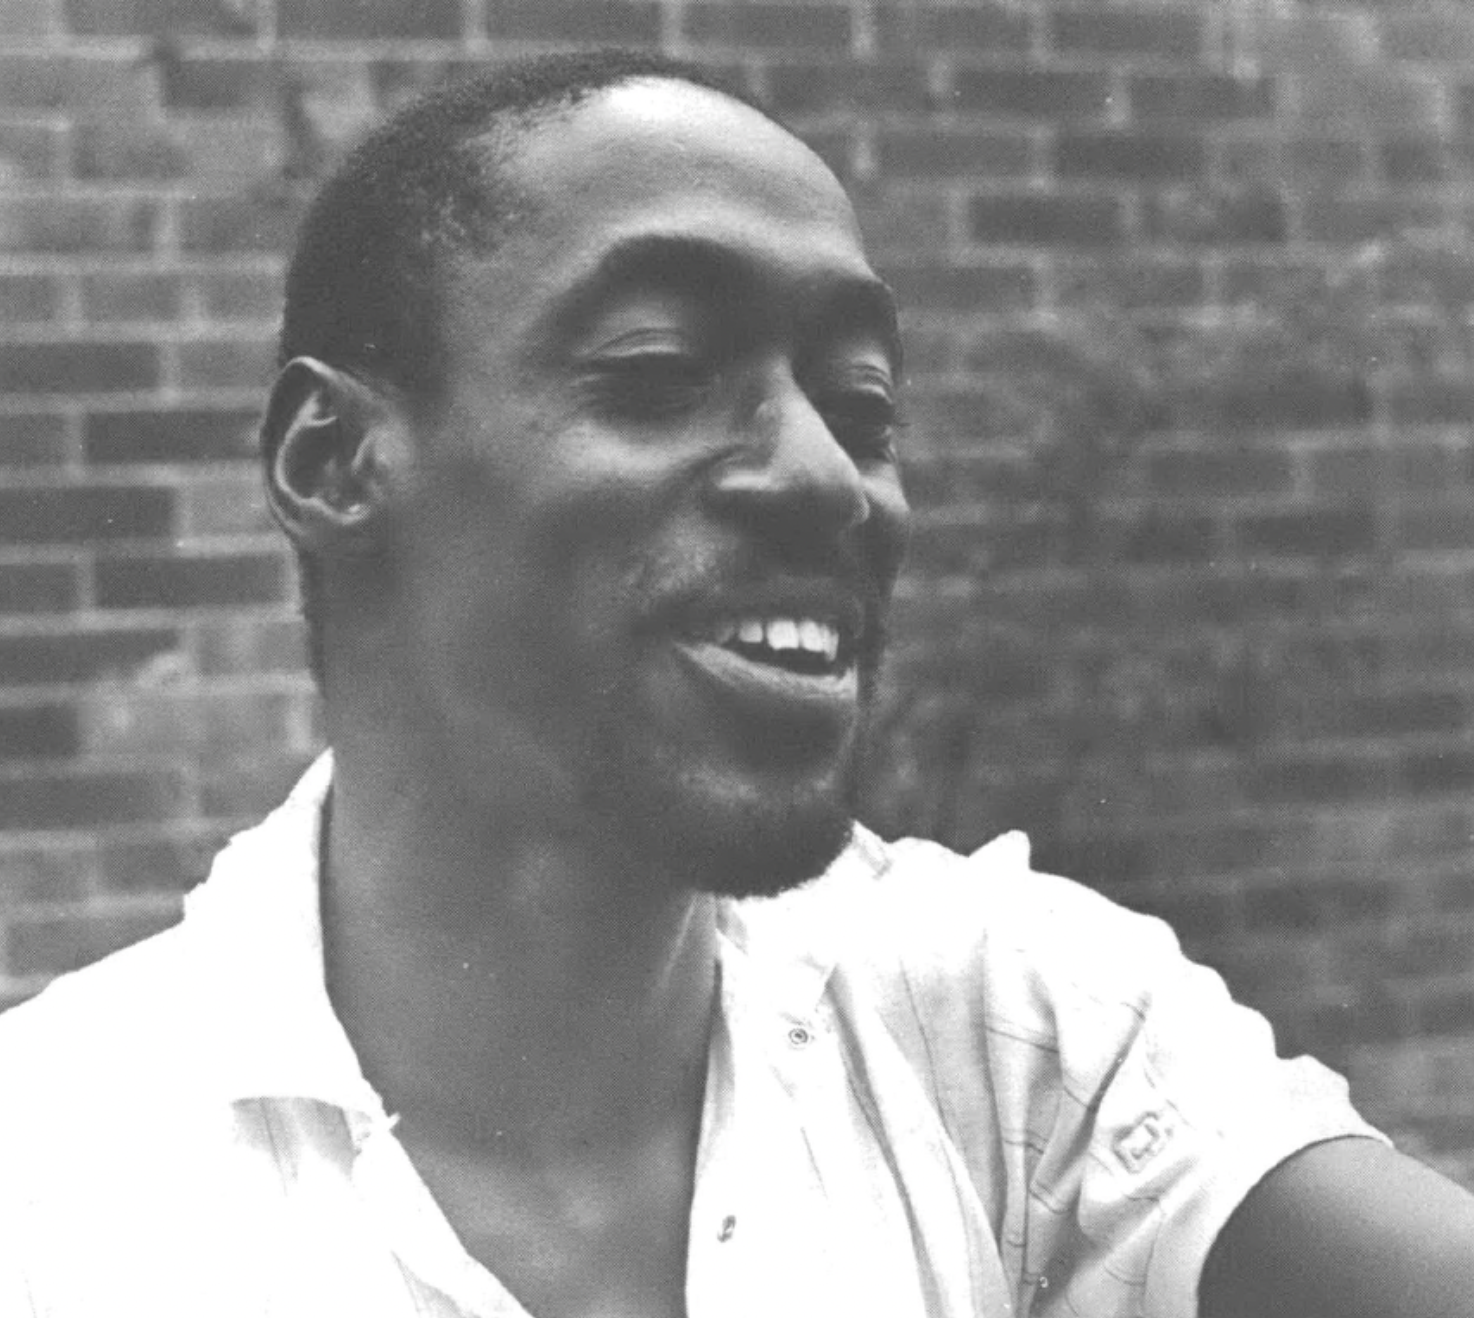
(1187, 289)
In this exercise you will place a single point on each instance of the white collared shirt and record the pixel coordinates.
(938, 1086)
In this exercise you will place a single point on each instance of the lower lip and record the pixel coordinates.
(766, 689)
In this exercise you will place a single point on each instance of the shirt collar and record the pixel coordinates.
(254, 932)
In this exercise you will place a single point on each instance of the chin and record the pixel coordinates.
(752, 841)
(756, 854)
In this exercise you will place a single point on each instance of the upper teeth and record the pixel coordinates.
(781, 634)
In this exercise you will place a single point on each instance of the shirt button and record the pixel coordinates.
(799, 1036)
(729, 1226)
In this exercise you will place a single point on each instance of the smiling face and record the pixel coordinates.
(642, 563)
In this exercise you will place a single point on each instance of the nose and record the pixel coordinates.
(791, 469)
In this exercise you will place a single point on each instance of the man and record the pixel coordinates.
(585, 434)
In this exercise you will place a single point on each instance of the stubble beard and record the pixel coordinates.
(725, 844)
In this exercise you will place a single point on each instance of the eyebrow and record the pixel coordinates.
(714, 270)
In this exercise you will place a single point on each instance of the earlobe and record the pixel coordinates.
(325, 437)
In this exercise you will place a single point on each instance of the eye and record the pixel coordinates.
(864, 422)
(649, 385)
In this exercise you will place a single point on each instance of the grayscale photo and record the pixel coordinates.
(715, 658)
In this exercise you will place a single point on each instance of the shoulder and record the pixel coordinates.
(992, 921)
(113, 1026)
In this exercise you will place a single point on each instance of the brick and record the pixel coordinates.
(250, 644)
(1290, 396)
(579, 22)
(34, 439)
(1359, 219)
(1159, 538)
(1428, 37)
(968, 289)
(53, 871)
(209, 84)
(1040, 220)
(369, 19)
(233, 506)
(193, 435)
(56, 944)
(248, 790)
(31, 150)
(1429, 949)
(240, 294)
(84, 514)
(1128, 283)
(216, 581)
(29, 18)
(1167, 34)
(28, 299)
(262, 221)
(1464, 110)
(1121, 157)
(78, 368)
(1309, 780)
(907, 152)
(157, 865)
(1447, 1011)
(1396, 714)
(130, 297)
(1432, 400)
(1217, 474)
(82, 655)
(1049, 94)
(787, 26)
(122, 150)
(989, 28)
(1436, 524)
(37, 732)
(227, 364)
(31, 588)
(1414, 161)
(174, 18)
(1268, 277)
(1438, 771)
(123, 85)
(86, 799)
(1323, 532)
(1201, 215)
(897, 217)
(71, 225)
(1200, 98)
(824, 88)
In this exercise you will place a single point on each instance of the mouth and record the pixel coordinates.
(801, 645)
(787, 666)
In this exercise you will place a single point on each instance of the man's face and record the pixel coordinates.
(653, 528)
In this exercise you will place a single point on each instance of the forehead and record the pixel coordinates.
(654, 161)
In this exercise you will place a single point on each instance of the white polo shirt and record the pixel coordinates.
(938, 1086)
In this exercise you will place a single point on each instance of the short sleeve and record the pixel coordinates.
(1112, 1101)
(1171, 1102)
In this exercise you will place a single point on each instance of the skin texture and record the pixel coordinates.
(669, 400)
(1345, 1229)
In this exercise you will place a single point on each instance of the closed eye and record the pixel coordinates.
(648, 386)
(864, 423)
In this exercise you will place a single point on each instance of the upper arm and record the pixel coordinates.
(1345, 1229)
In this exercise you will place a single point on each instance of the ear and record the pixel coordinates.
(329, 442)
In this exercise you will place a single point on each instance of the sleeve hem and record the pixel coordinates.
(1178, 1258)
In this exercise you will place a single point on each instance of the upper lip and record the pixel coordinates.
(819, 601)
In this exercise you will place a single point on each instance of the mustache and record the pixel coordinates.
(833, 582)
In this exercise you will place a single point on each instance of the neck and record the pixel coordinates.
(514, 987)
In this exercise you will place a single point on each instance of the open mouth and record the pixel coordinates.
(804, 646)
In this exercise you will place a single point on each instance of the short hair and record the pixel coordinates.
(361, 287)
